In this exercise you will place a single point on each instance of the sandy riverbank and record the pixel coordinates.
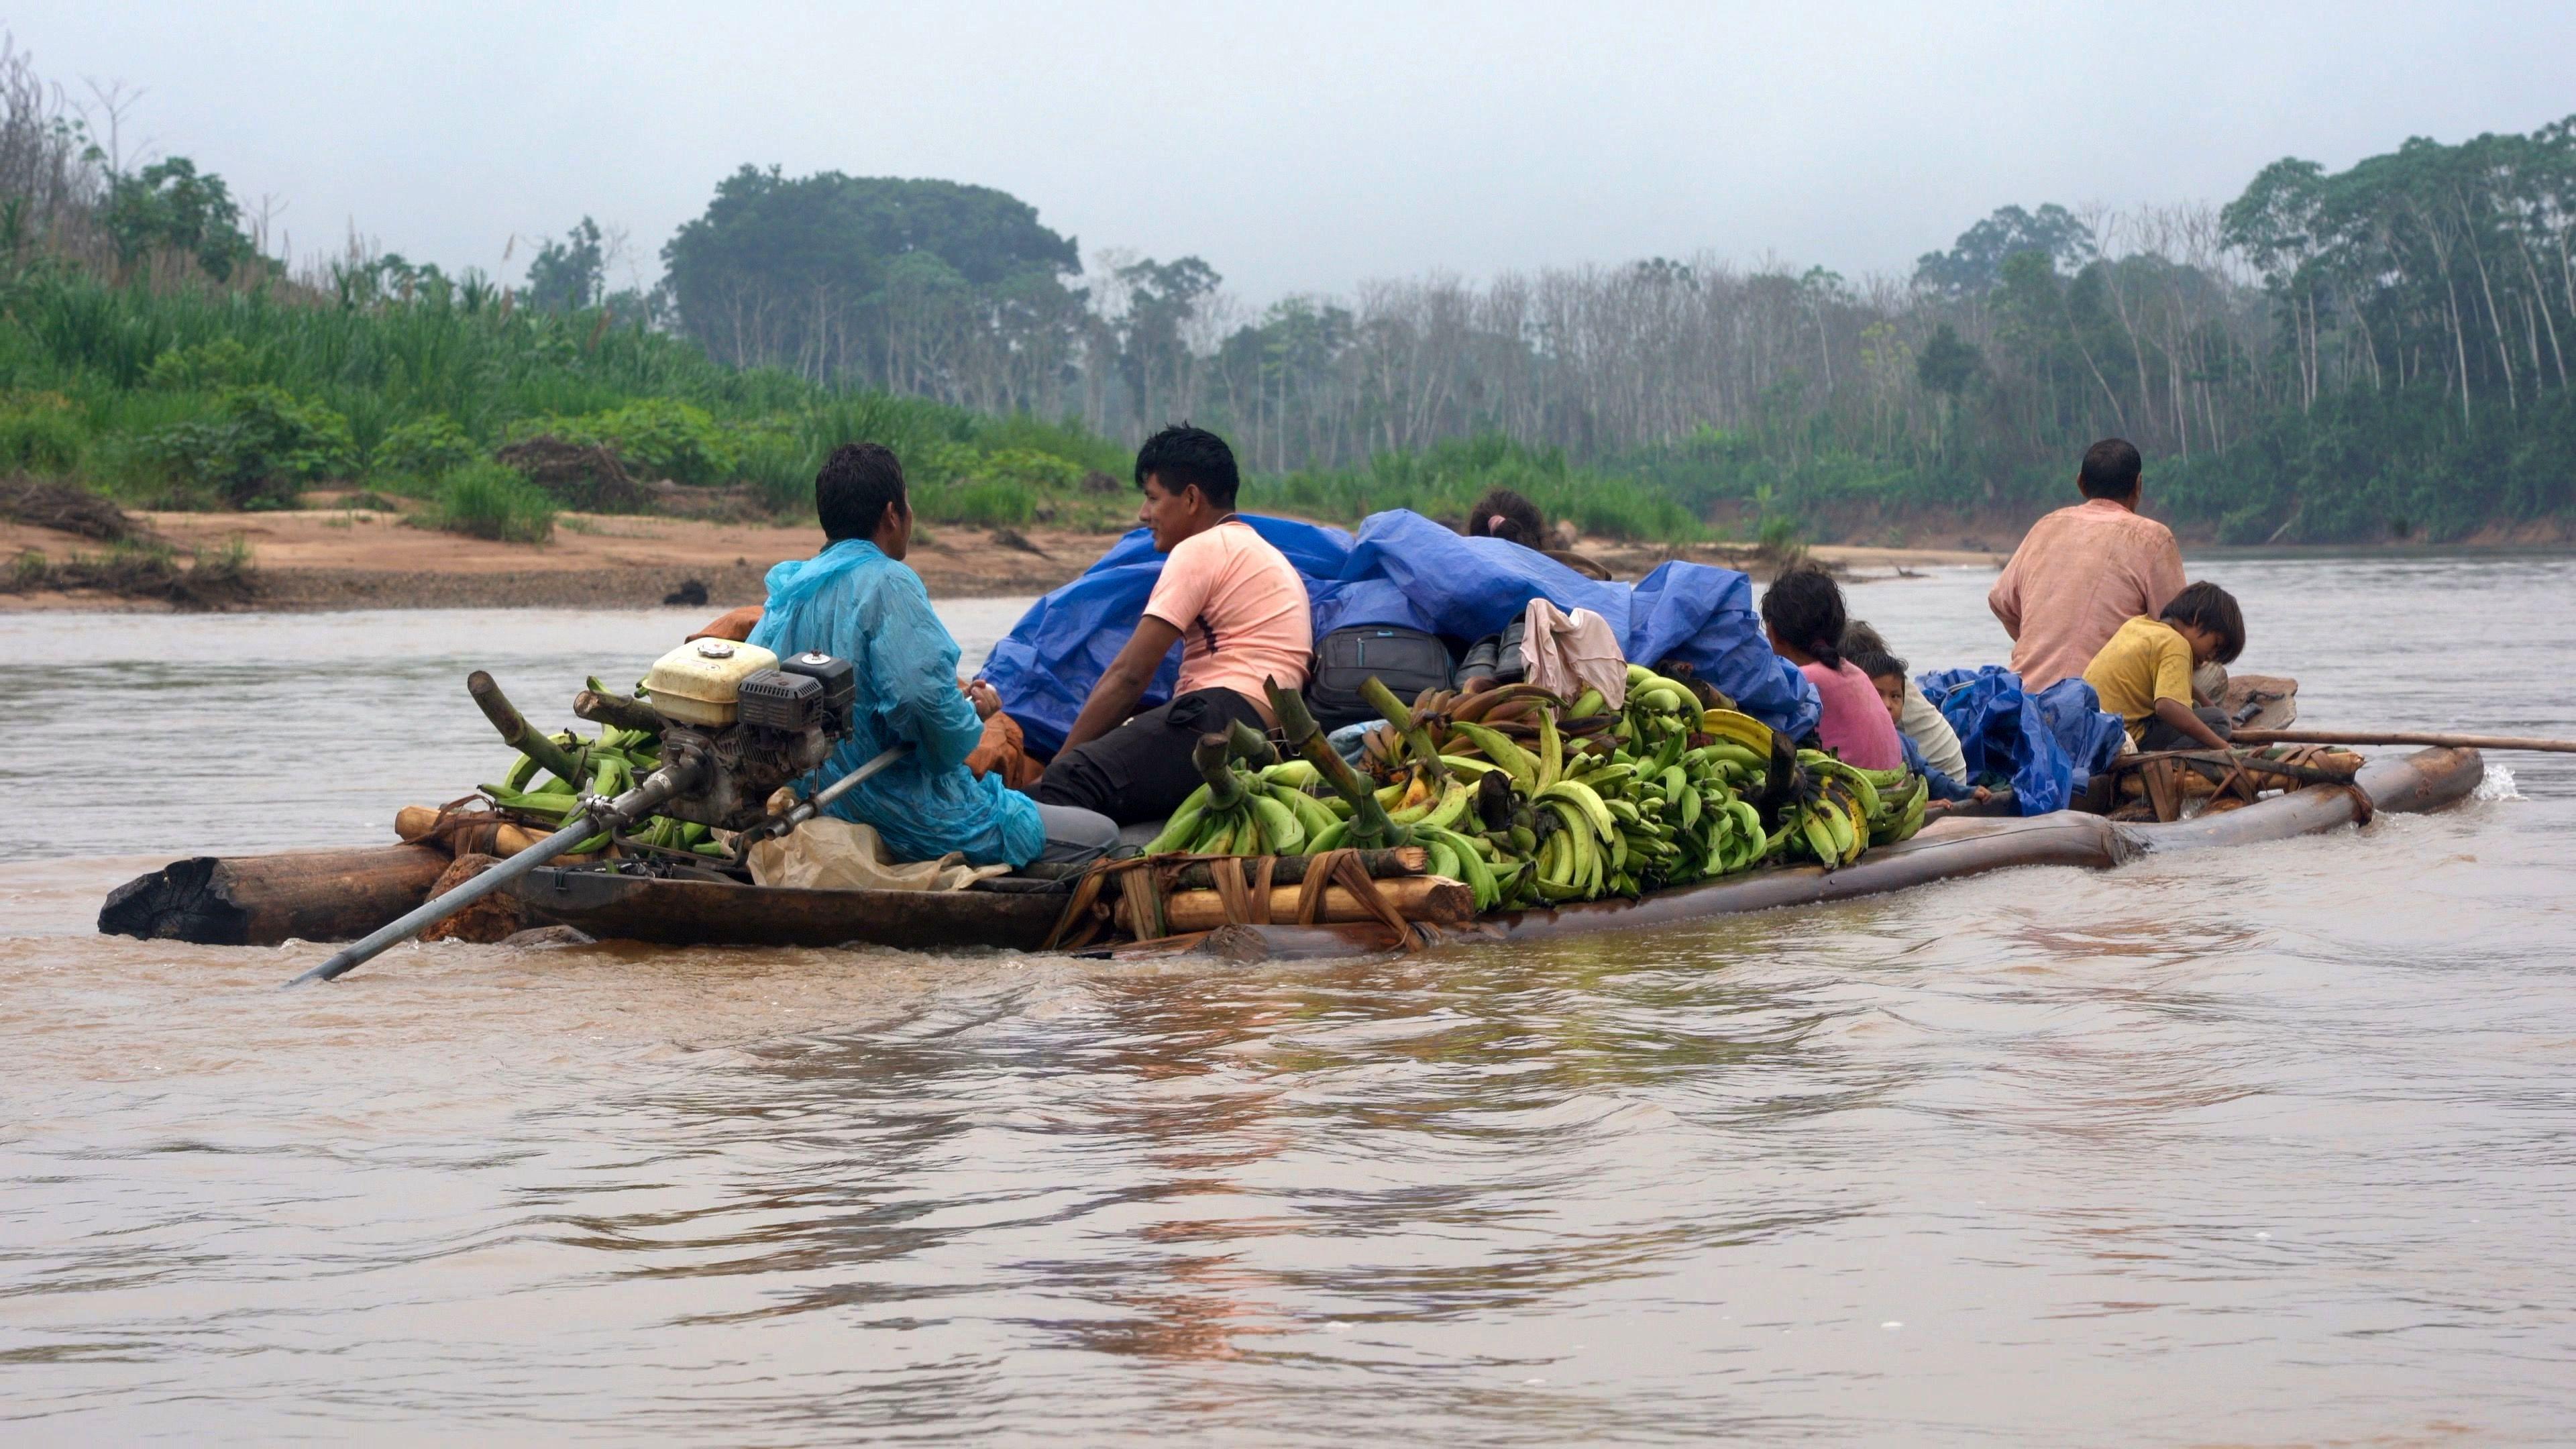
(359, 559)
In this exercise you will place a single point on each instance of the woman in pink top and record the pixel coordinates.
(1802, 611)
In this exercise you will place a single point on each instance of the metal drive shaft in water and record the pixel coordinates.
(626, 809)
(596, 816)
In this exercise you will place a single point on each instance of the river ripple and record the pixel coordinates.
(2263, 1146)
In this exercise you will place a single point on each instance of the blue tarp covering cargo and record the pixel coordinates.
(2048, 746)
(1402, 569)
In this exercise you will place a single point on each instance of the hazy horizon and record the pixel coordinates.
(1302, 152)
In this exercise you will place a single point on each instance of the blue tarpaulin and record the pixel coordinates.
(1045, 667)
(2047, 746)
(1403, 570)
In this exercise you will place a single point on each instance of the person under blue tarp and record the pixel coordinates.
(1402, 570)
(2048, 745)
(856, 600)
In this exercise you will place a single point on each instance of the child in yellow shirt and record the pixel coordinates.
(2144, 674)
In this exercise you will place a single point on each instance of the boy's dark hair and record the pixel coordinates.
(858, 483)
(1804, 606)
(1859, 639)
(1876, 663)
(2205, 605)
(2111, 469)
(1506, 515)
(1185, 457)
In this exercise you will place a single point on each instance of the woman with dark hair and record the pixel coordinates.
(1506, 515)
(1803, 614)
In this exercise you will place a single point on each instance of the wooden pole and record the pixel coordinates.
(2403, 737)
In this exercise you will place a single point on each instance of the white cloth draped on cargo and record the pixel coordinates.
(1561, 653)
(831, 854)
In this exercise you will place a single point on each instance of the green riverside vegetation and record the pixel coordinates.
(2373, 354)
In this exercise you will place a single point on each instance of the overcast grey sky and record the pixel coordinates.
(1303, 146)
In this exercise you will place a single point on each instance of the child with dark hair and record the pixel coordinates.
(1887, 675)
(2144, 674)
(1919, 720)
(1803, 614)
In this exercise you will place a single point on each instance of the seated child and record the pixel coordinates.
(2144, 674)
(1802, 612)
(1887, 672)
(1920, 721)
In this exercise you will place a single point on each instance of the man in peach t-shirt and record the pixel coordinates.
(2083, 571)
(1232, 602)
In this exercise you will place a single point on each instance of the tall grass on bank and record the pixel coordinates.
(487, 500)
(172, 395)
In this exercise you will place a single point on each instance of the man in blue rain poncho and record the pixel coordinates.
(856, 600)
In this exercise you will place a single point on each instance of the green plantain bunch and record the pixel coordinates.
(1266, 811)
(1532, 800)
(609, 765)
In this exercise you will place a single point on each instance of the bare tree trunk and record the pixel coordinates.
(2477, 254)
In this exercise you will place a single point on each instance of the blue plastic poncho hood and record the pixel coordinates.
(852, 601)
(1403, 570)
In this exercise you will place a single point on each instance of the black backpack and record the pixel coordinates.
(1407, 661)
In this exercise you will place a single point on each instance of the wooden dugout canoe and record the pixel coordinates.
(327, 895)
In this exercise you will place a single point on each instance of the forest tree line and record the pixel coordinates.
(2374, 352)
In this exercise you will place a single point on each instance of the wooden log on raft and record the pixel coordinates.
(473, 833)
(261, 900)
(1433, 898)
(1291, 869)
(496, 917)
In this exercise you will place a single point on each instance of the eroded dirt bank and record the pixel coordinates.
(360, 559)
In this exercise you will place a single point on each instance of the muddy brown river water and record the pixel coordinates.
(2261, 1146)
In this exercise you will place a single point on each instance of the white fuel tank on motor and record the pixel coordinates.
(698, 682)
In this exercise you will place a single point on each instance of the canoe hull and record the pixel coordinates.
(710, 913)
(318, 896)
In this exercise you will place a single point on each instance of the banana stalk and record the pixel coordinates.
(1368, 826)
(1426, 755)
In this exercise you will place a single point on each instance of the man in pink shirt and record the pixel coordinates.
(1232, 602)
(2083, 571)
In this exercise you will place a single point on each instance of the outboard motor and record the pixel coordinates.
(741, 722)
(737, 724)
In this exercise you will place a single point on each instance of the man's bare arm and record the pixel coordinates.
(1114, 697)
